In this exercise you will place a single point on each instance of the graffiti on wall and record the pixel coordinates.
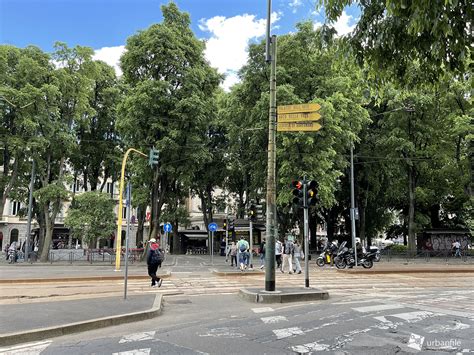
(442, 241)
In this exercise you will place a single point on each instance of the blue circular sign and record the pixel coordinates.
(212, 226)
(167, 227)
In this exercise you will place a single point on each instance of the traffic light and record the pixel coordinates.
(153, 157)
(231, 224)
(297, 192)
(311, 193)
(252, 213)
(225, 224)
(259, 212)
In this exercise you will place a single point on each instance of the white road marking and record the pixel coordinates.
(380, 307)
(349, 302)
(271, 320)
(137, 337)
(306, 348)
(287, 332)
(411, 316)
(416, 341)
(26, 349)
(262, 309)
(382, 319)
(224, 332)
(439, 328)
(135, 352)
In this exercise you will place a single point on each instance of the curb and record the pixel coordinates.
(237, 273)
(407, 271)
(259, 296)
(56, 331)
(83, 278)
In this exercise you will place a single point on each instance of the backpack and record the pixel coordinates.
(242, 247)
(157, 256)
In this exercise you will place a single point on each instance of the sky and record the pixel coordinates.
(227, 26)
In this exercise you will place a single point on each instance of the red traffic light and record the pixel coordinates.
(297, 184)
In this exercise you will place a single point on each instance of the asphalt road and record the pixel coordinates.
(384, 314)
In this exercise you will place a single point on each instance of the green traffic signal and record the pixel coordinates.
(153, 157)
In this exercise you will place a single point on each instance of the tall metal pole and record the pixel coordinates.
(251, 242)
(353, 226)
(226, 232)
(30, 208)
(129, 206)
(212, 247)
(305, 231)
(271, 227)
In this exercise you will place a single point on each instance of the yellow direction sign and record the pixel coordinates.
(298, 108)
(298, 117)
(298, 127)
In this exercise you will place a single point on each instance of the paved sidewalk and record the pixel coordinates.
(35, 321)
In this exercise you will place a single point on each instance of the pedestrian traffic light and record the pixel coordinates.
(225, 224)
(153, 157)
(252, 213)
(311, 193)
(297, 192)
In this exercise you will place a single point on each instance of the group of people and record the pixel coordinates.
(287, 253)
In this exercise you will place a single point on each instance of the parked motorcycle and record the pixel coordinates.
(373, 249)
(345, 257)
(11, 256)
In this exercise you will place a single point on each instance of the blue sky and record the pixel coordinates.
(105, 24)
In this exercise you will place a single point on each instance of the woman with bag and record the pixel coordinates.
(297, 256)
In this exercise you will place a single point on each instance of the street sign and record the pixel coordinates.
(212, 226)
(168, 227)
(298, 117)
(298, 127)
(298, 108)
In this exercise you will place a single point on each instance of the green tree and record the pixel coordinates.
(392, 34)
(91, 217)
(168, 102)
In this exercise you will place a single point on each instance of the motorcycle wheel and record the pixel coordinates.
(367, 264)
(377, 257)
(340, 263)
(320, 262)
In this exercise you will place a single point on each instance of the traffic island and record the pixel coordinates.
(68, 320)
(283, 295)
(238, 272)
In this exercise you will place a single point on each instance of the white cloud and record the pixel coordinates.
(317, 25)
(231, 78)
(110, 55)
(295, 4)
(226, 50)
(342, 25)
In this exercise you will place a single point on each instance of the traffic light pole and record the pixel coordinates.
(353, 226)
(305, 231)
(271, 227)
(251, 242)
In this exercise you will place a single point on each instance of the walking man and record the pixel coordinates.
(278, 252)
(262, 254)
(233, 255)
(298, 255)
(243, 247)
(154, 259)
(288, 249)
(457, 248)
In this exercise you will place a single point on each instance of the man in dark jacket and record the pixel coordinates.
(154, 259)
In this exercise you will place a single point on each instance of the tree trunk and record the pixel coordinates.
(141, 217)
(49, 226)
(175, 242)
(362, 223)
(434, 215)
(411, 210)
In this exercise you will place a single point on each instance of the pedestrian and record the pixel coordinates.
(288, 248)
(243, 247)
(262, 254)
(333, 248)
(457, 248)
(6, 250)
(154, 259)
(297, 256)
(278, 252)
(233, 254)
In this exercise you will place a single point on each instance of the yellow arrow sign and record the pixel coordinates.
(298, 127)
(298, 117)
(298, 108)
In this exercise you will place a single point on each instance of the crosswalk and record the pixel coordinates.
(416, 331)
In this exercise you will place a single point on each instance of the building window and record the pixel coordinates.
(14, 235)
(15, 208)
(110, 188)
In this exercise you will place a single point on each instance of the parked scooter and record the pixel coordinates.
(324, 258)
(11, 256)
